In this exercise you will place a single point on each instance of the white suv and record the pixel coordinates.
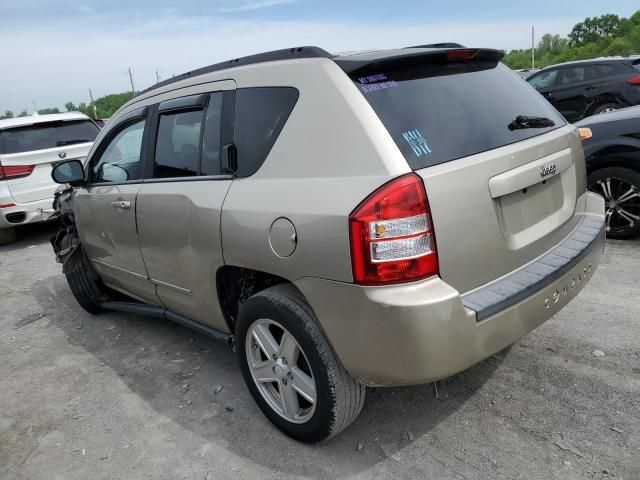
(29, 148)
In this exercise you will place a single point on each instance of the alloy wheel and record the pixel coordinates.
(622, 202)
(281, 371)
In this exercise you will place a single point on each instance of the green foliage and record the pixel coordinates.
(108, 104)
(607, 35)
(46, 111)
(105, 106)
(597, 28)
(7, 114)
(23, 113)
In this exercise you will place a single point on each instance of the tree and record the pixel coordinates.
(597, 28)
(47, 111)
(7, 114)
(553, 44)
(71, 107)
(23, 113)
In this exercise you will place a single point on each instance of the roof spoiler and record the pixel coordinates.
(407, 57)
(439, 45)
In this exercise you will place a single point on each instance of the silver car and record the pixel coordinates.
(29, 148)
(375, 219)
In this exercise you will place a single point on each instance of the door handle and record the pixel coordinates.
(590, 88)
(125, 205)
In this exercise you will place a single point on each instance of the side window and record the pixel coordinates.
(211, 136)
(577, 74)
(543, 80)
(260, 115)
(178, 144)
(120, 161)
(605, 69)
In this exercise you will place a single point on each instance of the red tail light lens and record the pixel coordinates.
(10, 172)
(392, 238)
(635, 80)
(467, 54)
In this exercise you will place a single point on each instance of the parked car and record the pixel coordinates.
(589, 87)
(527, 72)
(613, 165)
(383, 218)
(29, 148)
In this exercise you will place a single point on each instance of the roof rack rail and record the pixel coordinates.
(439, 45)
(284, 54)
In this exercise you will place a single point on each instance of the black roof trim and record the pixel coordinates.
(284, 54)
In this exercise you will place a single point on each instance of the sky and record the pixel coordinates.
(54, 51)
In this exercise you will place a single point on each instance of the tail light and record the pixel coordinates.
(635, 80)
(466, 54)
(392, 239)
(10, 172)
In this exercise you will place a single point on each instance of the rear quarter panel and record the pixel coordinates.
(332, 153)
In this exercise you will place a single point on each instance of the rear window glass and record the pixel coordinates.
(47, 135)
(260, 115)
(442, 112)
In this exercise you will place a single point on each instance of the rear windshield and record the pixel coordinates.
(438, 113)
(47, 135)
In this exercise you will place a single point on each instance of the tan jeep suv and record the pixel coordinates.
(382, 218)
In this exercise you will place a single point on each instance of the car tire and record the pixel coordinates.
(604, 108)
(7, 236)
(282, 311)
(82, 279)
(614, 184)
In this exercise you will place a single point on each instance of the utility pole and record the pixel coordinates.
(133, 89)
(533, 48)
(157, 76)
(93, 104)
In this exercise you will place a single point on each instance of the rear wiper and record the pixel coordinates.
(523, 121)
(62, 143)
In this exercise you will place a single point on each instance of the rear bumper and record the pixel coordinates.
(22, 213)
(425, 331)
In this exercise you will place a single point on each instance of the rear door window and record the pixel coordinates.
(573, 75)
(47, 135)
(440, 112)
(178, 144)
(260, 115)
(211, 136)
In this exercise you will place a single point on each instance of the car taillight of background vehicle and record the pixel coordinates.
(392, 238)
(11, 172)
(635, 80)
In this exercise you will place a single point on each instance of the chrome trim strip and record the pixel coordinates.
(120, 269)
(159, 283)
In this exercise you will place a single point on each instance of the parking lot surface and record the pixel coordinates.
(117, 396)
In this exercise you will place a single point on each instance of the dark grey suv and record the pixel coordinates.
(589, 87)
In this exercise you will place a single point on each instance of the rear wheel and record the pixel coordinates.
(620, 188)
(290, 369)
(7, 235)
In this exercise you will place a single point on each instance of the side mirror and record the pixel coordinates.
(71, 172)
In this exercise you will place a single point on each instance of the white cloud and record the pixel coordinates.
(255, 5)
(52, 66)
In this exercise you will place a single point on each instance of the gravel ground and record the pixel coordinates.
(117, 396)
